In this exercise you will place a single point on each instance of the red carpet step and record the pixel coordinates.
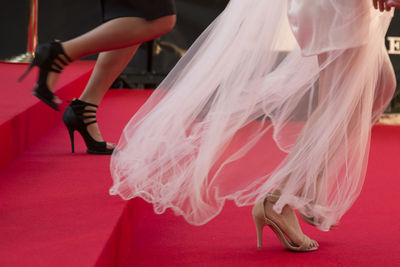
(55, 209)
(23, 118)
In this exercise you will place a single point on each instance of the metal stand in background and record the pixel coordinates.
(32, 36)
(149, 78)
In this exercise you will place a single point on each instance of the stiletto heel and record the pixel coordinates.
(26, 72)
(71, 135)
(48, 59)
(259, 227)
(261, 220)
(74, 119)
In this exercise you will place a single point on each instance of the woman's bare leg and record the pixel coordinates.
(112, 35)
(116, 41)
(108, 66)
(288, 220)
(117, 33)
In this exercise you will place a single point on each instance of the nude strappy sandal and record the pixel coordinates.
(261, 220)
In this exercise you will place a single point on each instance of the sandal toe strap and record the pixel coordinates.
(305, 244)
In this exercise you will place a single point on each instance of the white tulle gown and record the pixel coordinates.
(313, 75)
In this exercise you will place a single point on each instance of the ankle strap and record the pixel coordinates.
(60, 50)
(77, 102)
(57, 50)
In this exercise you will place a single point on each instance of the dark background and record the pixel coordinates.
(66, 19)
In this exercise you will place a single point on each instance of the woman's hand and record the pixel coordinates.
(383, 5)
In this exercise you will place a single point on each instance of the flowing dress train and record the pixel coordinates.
(273, 95)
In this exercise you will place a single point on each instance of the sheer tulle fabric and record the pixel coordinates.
(214, 112)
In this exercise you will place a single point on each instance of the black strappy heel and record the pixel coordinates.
(47, 57)
(74, 119)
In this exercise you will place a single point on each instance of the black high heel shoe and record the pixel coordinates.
(47, 57)
(74, 119)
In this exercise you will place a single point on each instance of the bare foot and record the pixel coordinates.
(289, 224)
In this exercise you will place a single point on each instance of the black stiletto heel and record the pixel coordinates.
(71, 136)
(46, 58)
(74, 119)
(26, 72)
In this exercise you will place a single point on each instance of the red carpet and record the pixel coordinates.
(23, 119)
(55, 209)
(367, 236)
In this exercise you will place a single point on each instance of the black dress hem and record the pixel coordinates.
(146, 9)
